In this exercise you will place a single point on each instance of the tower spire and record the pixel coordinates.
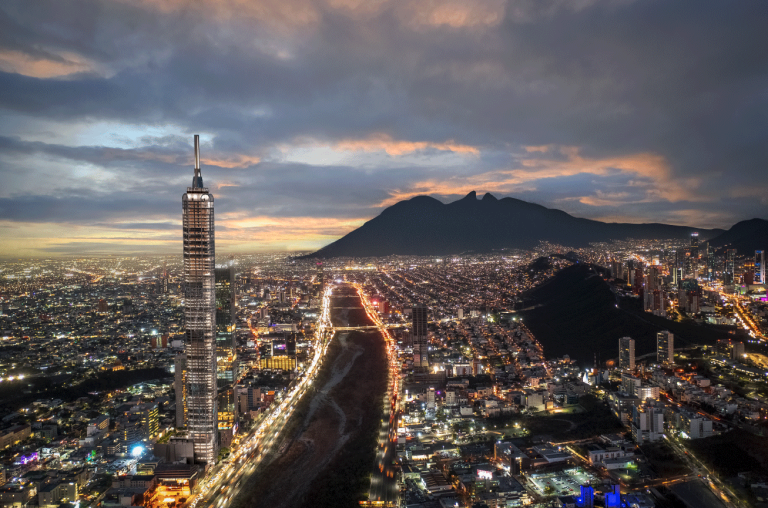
(197, 179)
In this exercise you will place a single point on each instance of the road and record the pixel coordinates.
(384, 490)
(745, 317)
(714, 483)
(224, 480)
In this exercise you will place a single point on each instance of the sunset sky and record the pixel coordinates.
(315, 115)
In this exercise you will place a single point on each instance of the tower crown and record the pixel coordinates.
(197, 179)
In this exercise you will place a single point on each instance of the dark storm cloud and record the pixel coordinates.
(682, 81)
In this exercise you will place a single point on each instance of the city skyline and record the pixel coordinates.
(315, 116)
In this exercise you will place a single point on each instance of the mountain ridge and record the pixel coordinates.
(745, 236)
(424, 225)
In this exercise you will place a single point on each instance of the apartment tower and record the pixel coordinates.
(627, 353)
(665, 347)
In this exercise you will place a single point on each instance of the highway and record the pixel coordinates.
(224, 480)
(384, 490)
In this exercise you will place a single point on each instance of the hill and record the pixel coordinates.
(576, 313)
(746, 237)
(425, 226)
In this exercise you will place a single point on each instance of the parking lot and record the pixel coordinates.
(561, 483)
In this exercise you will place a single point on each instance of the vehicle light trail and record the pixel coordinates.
(388, 432)
(251, 449)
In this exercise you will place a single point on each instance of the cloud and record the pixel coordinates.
(567, 103)
(51, 66)
(400, 147)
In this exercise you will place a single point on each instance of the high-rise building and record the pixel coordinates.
(627, 353)
(200, 315)
(760, 267)
(695, 245)
(226, 348)
(419, 334)
(227, 415)
(665, 347)
(729, 277)
(320, 280)
(710, 262)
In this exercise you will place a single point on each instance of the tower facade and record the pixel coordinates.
(420, 342)
(180, 387)
(200, 315)
(760, 267)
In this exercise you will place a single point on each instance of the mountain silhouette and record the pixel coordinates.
(425, 226)
(746, 237)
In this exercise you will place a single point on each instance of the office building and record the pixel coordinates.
(627, 353)
(226, 348)
(419, 334)
(200, 315)
(759, 267)
(665, 347)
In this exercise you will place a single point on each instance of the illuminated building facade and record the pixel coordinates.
(665, 347)
(226, 350)
(420, 342)
(730, 266)
(200, 315)
(627, 353)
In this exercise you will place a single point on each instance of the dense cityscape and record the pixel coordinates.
(383, 254)
(153, 381)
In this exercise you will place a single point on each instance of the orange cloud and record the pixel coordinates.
(541, 148)
(241, 233)
(452, 13)
(233, 161)
(653, 174)
(385, 142)
(294, 15)
(38, 67)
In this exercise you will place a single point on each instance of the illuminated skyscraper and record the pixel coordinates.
(420, 342)
(710, 262)
(627, 353)
(760, 267)
(200, 315)
(320, 279)
(665, 347)
(226, 352)
(695, 245)
(730, 266)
